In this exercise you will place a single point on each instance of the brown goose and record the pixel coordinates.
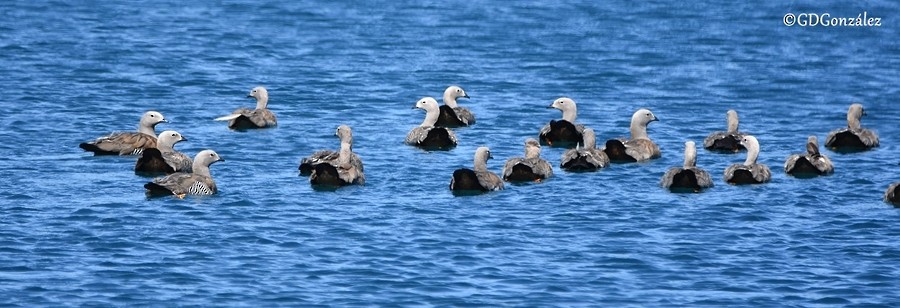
(245, 118)
(128, 143)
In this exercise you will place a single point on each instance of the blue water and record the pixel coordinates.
(78, 230)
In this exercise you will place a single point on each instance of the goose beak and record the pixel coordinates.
(163, 121)
(183, 138)
(550, 107)
(654, 119)
(466, 96)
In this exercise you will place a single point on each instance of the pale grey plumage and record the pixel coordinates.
(539, 168)
(821, 163)
(701, 179)
(862, 137)
(586, 157)
(418, 136)
(199, 182)
(128, 143)
(728, 140)
(759, 173)
(260, 117)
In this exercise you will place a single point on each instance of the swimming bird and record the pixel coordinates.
(452, 115)
(529, 168)
(563, 133)
(128, 143)
(688, 176)
(345, 134)
(639, 147)
(428, 136)
(198, 182)
(892, 194)
(749, 172)
(585, 158)
(245, 118)
(164, 158)
(852, 138)
(478, 178)
(727, 141)
(339, 172)
(810, 164)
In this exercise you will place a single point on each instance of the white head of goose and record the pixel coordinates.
(426, 135)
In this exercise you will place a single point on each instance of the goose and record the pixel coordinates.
(639, 147)
(810, 164)
(563, 133)
(453, 115)
(164, 158)
(180, 184)
(892, 195)
(749, 172)
(428, 136)
(245, 118)
(688, 176)
(345, 134)
(128, 143)
(727, 141)
(344, 169)
(479, 178)
(529, 168)
(585, 158)
(852, 138)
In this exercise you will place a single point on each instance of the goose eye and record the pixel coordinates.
(173, 135)
(152, 116)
